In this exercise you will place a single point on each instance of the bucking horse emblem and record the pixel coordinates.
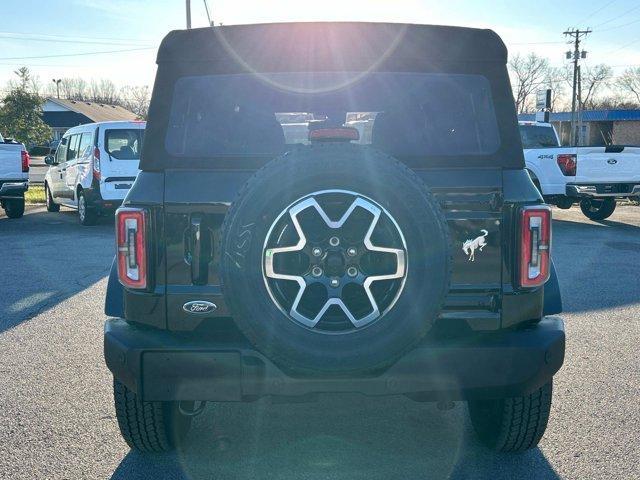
(470, 246)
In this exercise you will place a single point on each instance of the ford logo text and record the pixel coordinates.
(199, 307)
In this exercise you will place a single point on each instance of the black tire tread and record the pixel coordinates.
(142, 424)
(604, 212)
(519, 423)
(51, 205)
(14, 207)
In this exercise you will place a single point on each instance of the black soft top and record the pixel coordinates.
(329, 47)
(326, 46)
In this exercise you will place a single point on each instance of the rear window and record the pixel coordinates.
(404, 114)
(124, 144)
(538, 136)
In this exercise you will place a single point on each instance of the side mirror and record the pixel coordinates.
(50, 160)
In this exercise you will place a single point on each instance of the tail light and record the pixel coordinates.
(131, 226)
(96, 163)
(568, 163)
(25, 161)
(535, 245)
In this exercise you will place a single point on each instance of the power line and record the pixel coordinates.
(536, 43)
(596, 11)
(622, 47)
(619, 16)
(56, 35)
(23, 37)
(79, 54)
(615, 27)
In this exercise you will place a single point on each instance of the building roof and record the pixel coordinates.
(590, 116)
(96, 112)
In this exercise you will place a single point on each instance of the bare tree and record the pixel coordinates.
(556, 78)
(592, 79)
(629, 82)
(136, 99)
(103, 91)
(529, 74)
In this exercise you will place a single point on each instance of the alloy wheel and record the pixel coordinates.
(335, 261)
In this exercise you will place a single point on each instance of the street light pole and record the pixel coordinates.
(57, 82)
(188, 14)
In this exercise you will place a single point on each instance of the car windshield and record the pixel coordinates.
(124, 144)
(538, 136)
(404, 114)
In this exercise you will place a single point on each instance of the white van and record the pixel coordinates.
(94, 167)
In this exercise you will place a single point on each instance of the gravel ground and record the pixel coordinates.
(57, 419)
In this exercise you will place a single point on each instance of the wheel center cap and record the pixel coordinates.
(334, 264)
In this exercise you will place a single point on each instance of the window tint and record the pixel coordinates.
(404, 114)
(72, 150)
(86, 142)
(538, 136)
(124, 144)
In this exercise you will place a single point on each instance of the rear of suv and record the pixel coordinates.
(93, 168)
(343, 210)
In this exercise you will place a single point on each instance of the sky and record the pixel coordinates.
(118, 39)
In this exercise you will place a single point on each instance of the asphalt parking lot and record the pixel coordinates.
(57, 419)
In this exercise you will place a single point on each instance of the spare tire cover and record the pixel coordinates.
(336, 259)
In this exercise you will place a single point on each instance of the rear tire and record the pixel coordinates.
(87, 215)
(14, 207)
(598, 208)
(512, 424)
(51, 205)
(148, 426)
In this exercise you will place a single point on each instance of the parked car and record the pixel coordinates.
(14, 177)
(591, 176)
(93, 168)
(250, 264)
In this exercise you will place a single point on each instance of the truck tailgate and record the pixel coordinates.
(608, 164)
(11, 161)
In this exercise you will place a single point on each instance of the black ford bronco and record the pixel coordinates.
(333, 207)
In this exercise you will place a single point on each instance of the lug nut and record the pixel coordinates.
(334, 282)
(316, 271)
(334, 241)
(352, 252)
(352, 271)
(316, 251)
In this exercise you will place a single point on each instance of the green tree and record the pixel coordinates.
(21, 112)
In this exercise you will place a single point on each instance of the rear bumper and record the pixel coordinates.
(13, 189)
(159, 365)
(603, 190)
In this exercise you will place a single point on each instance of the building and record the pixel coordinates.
(599, 127)
(61, 114)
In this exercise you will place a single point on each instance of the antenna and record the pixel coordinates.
(206, 7)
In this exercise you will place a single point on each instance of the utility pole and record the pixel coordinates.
(188, 14)
(576, 35)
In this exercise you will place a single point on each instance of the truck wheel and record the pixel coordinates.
(14, 207)
(598, 208)
(326, 252)
(512, 424)
(51, 205)
(148, 426)
(86, 214)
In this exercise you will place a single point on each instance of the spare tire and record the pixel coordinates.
(336, 259)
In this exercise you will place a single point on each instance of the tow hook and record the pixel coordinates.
(194, 412)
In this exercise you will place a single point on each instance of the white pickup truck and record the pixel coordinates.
(14, 177)
(592, 176)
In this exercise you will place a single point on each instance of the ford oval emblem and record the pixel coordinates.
(612, 161)
(199, 307)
